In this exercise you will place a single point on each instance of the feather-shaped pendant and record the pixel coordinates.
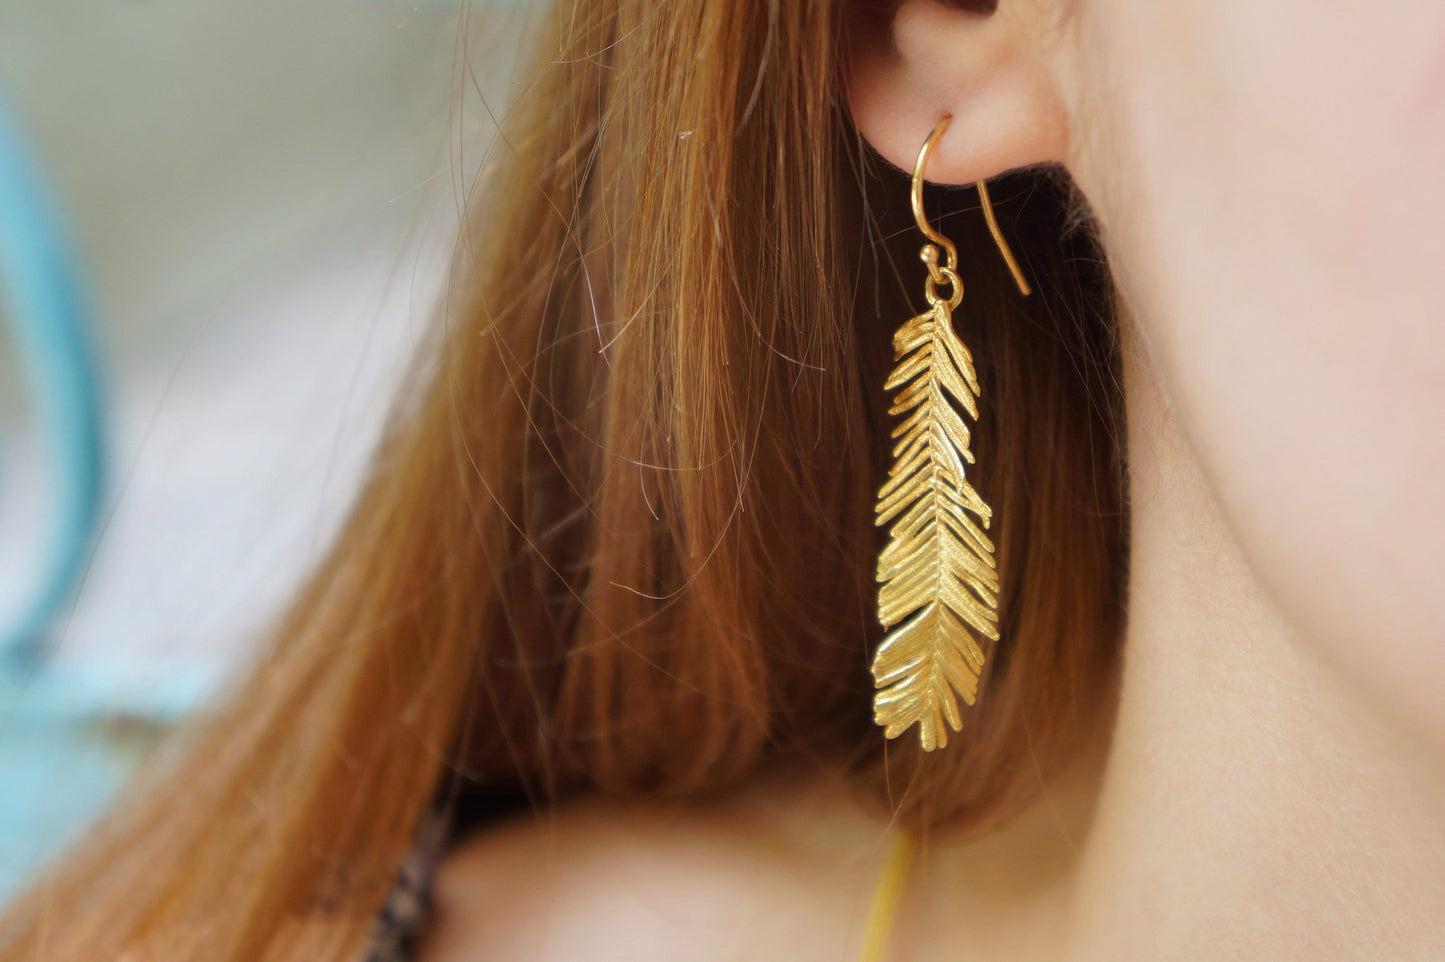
(938, 585)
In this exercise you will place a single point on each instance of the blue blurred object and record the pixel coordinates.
(48, 316)
(50, 321)
(57, 772)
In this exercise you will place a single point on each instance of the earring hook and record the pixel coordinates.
(916, 196)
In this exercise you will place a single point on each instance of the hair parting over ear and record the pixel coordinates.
(619, 538)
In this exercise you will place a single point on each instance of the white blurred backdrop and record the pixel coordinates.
(264, 196)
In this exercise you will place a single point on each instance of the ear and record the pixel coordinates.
(909, 63)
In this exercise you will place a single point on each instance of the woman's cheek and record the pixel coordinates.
(1268, 175)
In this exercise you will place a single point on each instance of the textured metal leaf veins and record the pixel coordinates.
(938, 585)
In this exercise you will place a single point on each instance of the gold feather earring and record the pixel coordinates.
(938, 584)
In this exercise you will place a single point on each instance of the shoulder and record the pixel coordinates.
(607, 881)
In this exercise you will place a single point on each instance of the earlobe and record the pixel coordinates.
(991, 72)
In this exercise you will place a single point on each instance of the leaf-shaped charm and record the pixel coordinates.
(938, 583)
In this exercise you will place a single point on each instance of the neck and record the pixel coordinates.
(1253, 804)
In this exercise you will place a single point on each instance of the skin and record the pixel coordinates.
(1267, 178)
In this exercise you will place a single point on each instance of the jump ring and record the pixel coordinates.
(955, 294)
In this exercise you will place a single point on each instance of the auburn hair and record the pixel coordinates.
(618, 537)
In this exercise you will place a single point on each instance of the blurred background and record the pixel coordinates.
(254, 206)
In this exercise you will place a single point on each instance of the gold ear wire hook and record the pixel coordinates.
(916, 196)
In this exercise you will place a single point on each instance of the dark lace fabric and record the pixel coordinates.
(408, 909)
(403, 920)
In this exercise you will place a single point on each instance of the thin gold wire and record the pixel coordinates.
(916, 198)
